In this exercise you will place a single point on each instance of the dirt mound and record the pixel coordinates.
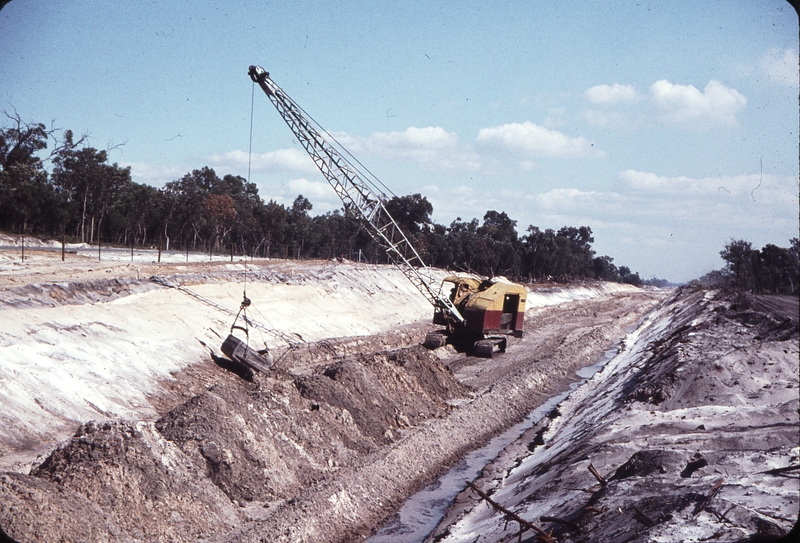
(264, 441)
(114, 481)
(385, 391)
(39, 510)
(193, 473)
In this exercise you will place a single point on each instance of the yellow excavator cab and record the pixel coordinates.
(489, 306)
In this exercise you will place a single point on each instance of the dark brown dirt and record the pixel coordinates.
(114, 481)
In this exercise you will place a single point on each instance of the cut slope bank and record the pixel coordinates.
(337, 426)
(692, 427)
(102, 349)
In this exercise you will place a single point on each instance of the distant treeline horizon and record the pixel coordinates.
(90, 200)
(769, 270)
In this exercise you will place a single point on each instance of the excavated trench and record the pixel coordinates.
(324, 448)
(692, 433)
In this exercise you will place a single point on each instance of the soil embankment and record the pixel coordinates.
(694, 429)
(321, 449)
(507, 387)
(104, 347)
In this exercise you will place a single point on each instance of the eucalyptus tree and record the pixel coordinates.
(738, 257)
(573, 253)
(184, 210)
(538, 251)
(299, 223)
(500, 248)
(222, 215)
(20, 143)
(273, 224)
(604, 269)
(462, 237)
(248, 205)
(26, 197)
(133, 216)
(91, 182)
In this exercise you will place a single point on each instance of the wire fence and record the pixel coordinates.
(176, 252)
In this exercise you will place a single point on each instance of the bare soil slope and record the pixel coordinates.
(694, 428)
(322, 449)
(104, 347)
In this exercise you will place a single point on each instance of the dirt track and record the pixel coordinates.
(322, 449)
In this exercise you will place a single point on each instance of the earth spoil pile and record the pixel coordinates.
(227, 454)
(693, 428)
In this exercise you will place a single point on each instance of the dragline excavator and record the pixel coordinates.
(478, 314)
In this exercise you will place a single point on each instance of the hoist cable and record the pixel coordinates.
(250, 151)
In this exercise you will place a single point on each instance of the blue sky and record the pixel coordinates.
(669, 127)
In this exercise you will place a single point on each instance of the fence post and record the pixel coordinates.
(159, 250)
(63, 244)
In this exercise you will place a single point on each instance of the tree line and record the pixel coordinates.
(85, 197)
(769, 270)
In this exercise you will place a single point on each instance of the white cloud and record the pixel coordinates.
(430, 147)
(686, 104)
(781, 66)
(418, 143)
(648, 181)
(313, 190)
(282, 160)
(751, 188)
(666, 102)
(564, 199)
(608, 119)
(415, 139)
(319, 193)
(460, 201)
(612, 94)
(651, 181)
(531, 139)
(156, 175)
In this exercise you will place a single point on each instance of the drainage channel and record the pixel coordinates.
(423, 511)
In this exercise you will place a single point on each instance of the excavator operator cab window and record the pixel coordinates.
(449, 287)
(458, 291)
